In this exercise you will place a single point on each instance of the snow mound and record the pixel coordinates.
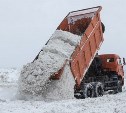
(34, 77)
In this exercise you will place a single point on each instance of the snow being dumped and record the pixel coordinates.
(34, 77)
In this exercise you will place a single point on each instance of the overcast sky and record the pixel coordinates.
(26, 25)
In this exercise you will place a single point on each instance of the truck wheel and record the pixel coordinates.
(88, 90)
(98, 89)
(119, 86)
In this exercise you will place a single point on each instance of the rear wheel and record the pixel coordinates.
(88, 90)
(98, 89)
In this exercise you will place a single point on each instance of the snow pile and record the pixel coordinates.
(34, 78)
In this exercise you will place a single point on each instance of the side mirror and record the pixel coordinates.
(124, 62)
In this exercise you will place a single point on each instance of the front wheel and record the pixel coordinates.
(119, 87)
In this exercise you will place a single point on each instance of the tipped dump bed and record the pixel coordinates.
(87, 24)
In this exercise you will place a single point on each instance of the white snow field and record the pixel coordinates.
(9, 103)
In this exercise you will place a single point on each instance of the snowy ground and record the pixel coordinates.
(9, 102)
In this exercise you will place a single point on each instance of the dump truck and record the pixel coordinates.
(93, 73)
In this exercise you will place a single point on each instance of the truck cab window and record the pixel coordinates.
(110, 59)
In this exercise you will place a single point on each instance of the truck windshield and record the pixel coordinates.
(110, 59)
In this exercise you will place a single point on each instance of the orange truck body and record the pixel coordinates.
(87, 23)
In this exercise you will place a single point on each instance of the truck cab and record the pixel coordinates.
(112, 64)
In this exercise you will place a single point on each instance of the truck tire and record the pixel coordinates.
(119, 86)
(88, 90)
(98, 89)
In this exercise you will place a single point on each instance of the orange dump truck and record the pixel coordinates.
(93, 73)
